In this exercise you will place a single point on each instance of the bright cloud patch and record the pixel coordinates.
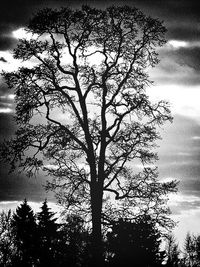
(177, 44)
(195, 137)
(6, 110)
(13, 64)
(183, 100)
(21, 33)
(8, 97)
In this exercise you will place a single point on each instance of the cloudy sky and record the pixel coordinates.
(177, 79)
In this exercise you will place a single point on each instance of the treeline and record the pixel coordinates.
(189, 256)
(28, 239)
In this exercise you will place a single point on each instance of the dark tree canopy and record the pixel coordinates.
(75, 245)
(135, 243)
(25, 229)
(46, 220)
(191, 250)
(172, 252)
(26, 242)
(47, 235)
(83, 114)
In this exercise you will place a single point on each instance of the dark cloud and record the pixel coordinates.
(15, 14)
(7, 43)
(178, 66)
(173, 13)
(188, 55)
(16, 186)
(184, 32)
(171, 73)
(8, 126)
(190, 186)
(181, 18)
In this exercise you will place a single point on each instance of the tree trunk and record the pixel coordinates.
(97, 245)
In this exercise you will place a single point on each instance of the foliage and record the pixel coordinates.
(74, 242)
(172, 252)
(132, 243)
(192, 250)
(82, 106)
(24, 224)
(136, 243)
(7, 241)
(47, 236)
(25, 241)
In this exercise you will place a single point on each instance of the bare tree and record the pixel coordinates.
(83, 105)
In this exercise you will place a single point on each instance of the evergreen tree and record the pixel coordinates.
(47, 235)
(75, 240)
(24, 224)
(190, 250)
(172, 252)
(134, 243)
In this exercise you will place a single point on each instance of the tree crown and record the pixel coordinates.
(83, 104)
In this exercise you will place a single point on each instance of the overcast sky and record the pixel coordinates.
(177, 79)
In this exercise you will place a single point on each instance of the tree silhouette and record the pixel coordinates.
(47, 236)
(83, 105)
(135, 244)
(25, 228)
(74, 243)
(190, 250)
(172, 252)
